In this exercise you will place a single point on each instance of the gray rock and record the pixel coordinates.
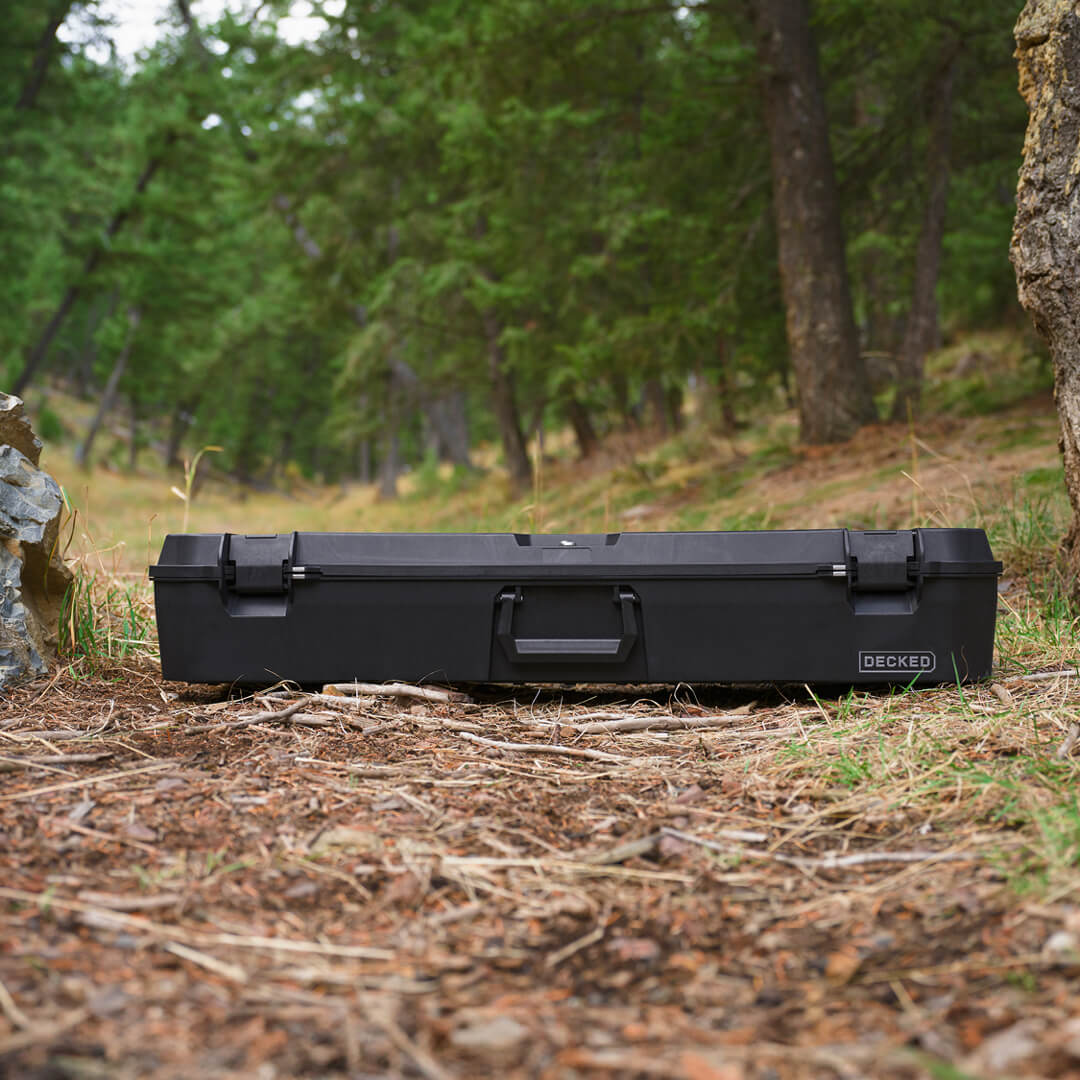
(15, 429)
(33, 577)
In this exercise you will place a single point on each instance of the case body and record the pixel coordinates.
(824, 606)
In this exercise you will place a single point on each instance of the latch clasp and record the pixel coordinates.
(884, 570)
(257, 565)
(881, 561)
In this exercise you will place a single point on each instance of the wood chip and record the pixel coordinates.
(1002, 694)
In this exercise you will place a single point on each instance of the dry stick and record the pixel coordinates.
(156, 767)
(1042, 676)
(421, 1058)
(235, 941)
(542, 748)
(43, 1034)
(350, 704)
(97, 834)
(58, 735)
(129, 903)
(621, 852)
(10, 764)
(247, 721)
(651, 723)
(420, 693)
(1065, 749)
(830, 861)
(232, 972)
(555, 865)
(11, 1010)
(567, 951)
(643, 845)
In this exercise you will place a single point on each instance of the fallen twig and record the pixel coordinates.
(591, 938)
(1066, 748)
(542, 748)
(247, 721)
(173, 933)
(1042, 676)
(11, 1010)
(832, 860)
(405, 690)
(43, 1033)
(232, 972)
(129, 903)
(556, 865)
(122, 774)
(97, 834)
(421, 1058)
(10, 764)
(621, 852)
(651, 723)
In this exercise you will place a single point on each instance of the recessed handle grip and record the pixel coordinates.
(566, 650)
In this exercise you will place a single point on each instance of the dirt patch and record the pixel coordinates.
(375, 890)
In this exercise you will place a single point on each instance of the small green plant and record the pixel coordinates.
(49, 426)
(191, 467)
(104, 619)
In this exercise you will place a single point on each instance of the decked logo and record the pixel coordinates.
(900, 663)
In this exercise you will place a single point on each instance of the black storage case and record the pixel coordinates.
(826, 606)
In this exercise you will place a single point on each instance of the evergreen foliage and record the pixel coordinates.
(440, 221)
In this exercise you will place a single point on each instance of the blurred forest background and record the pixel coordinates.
(435, 224)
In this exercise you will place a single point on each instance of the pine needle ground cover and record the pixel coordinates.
(697, 883)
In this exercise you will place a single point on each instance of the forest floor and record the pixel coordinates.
(703, 884)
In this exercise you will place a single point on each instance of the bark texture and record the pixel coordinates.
(833, 390)
(1045, 247)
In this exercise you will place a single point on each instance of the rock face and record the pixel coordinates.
(33, 577)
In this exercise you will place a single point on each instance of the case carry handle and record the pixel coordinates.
(586, 650)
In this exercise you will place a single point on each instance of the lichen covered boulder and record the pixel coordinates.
(33, 577)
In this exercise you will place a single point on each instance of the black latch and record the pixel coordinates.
(882, 561)
(259, 565)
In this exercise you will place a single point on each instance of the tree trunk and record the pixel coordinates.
(504, 406)
(1045, 247)
(180, 421)
(673, 402)
(724, 387)
(108, 397)
(116, 223)
(101, 309)
(363, 465)
(620, 388)
(834, 392)
(921, 333)
(133, 434)
(584, 431)
(655, 401)
(39, 66)
(388, 466)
